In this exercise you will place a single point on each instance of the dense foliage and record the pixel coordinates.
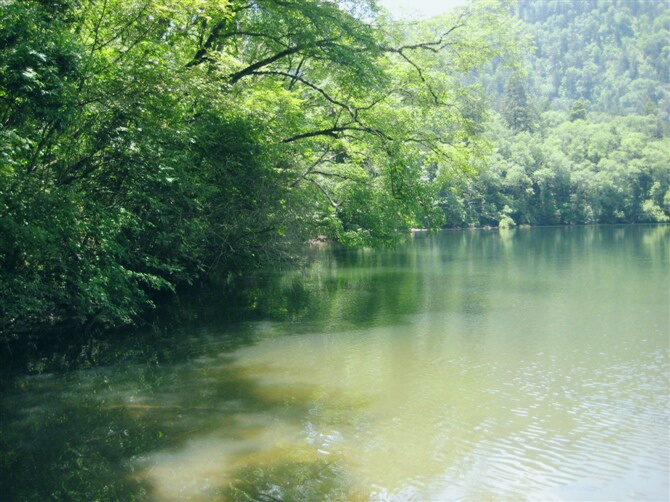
(145, 144)
(581, 135)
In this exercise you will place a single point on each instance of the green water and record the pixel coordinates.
(530, 364)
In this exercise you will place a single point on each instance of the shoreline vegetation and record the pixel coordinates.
(66, 346)
(151, 146)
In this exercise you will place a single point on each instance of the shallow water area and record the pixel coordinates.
(528, 364)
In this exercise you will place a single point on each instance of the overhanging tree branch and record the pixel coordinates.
(332, 132)
(335, 133)
(311, 86)
(213, 36)
(435, 45)
(276, 57)
(310, 168)
(325, 192)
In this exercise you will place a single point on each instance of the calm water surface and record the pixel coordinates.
(525, 364)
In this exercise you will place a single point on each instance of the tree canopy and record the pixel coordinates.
(150, 143)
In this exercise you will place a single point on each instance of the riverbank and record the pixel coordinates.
(70, 345)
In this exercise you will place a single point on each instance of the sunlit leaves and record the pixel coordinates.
(150, 143)
(614, 171)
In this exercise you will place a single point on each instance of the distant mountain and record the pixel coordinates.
(579, 134)
(612, 54)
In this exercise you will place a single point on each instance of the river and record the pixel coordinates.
(527, 364)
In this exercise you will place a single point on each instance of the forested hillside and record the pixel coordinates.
(580, 135)
(146, 144)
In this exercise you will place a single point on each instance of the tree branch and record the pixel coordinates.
(423, 79)
(311, 86)
(96, 30)
(202, 52)
(276, 57)
(335, 175)
(334, 132)
(296, 73)
(310, 168)
(199, 56)
(434, 46)
(323, 190)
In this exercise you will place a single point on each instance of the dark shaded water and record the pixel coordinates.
(525, 364)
